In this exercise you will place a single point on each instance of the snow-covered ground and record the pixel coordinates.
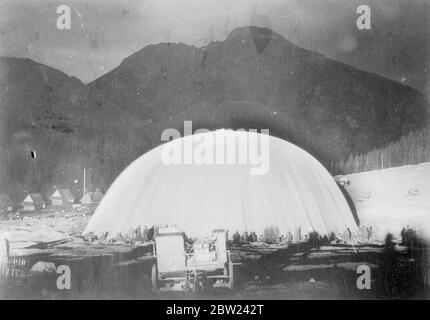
(392, 198)
(41, 228)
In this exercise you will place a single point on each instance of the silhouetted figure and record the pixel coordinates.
(151, 233)
(402, 234)
(138, 234)
(253, 237)
(370, 232)
(409, 238)
(236, 238)
(145, 234)
(299, 234)
(306, 247)
(188, 240)
(314, 240)
(104, 236)
(244, 238)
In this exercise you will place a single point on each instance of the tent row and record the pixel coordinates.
(59, 198)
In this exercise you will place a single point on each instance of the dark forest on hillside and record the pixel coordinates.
(413, 148)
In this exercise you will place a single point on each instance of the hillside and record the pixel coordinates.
(258, 79)
(412, 148)
(253, 79)
(45, 110)
(393, 198)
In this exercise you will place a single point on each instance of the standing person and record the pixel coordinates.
(299, 234)
(145, 234)
(151, 233)
(244, 238)
(306, 247)
(138, 234)
(347, 234)
(104, 236)
(370, 232)
(236, 238)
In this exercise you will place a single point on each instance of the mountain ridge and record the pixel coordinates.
(257, 65)
(255, 78)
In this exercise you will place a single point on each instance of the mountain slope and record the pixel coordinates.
(253, 79)
(327, 107)
(44, 110)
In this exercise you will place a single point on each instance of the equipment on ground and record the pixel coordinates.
(191, 267)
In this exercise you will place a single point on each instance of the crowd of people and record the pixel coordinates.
(273, 236)
(270, 236)
(134, 235)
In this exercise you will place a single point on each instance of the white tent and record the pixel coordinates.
(296, 191)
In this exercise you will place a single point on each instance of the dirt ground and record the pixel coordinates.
(294, 271)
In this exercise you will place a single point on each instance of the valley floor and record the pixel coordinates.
(386, 199)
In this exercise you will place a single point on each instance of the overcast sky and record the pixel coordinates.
(104, 32)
